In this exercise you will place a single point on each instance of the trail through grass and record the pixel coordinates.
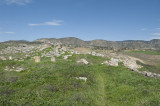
(101, 88)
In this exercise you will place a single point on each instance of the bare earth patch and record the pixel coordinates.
(82, 50)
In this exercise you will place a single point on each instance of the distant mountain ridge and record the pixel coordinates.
(76, 42)
(127, 44)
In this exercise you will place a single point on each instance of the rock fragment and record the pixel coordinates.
(2, 58)
(37, 59)
(82, 78)
(53, 59)
(84, 61)
(111, 62)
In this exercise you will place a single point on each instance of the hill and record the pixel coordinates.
(129, 44)
(44, 72)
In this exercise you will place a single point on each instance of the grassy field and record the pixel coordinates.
(54, 83)
(145, 52)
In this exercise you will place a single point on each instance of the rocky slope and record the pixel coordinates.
(104, 44)
(129, 44)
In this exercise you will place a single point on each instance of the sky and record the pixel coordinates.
(113, 20)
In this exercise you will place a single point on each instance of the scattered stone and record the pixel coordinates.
(18, 69)
(148, 74)
(93, 53)
(100, 55)
(37, 59)
(2, 58)
(131, 64)
(82, 78)
(111, 62)
(53, 59)
(84, 61)
(10, 58)
(105, 62)
(65, 57)
(76, 52)
(114, 62)
(21, 60)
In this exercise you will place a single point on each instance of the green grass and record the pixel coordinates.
(150, 68)
(54, 83)
(145, 52)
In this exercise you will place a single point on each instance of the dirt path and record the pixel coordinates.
(136, 59)
(101, 88)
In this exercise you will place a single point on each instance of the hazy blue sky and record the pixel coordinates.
(85, 19)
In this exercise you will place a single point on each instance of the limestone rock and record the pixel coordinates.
(112, 62)
(84, 61)
(131, 64)
(65, 57)
(18, 69)
(53, 59)
(37, 59)
(2, 58)
(82, 78)
(10, 58)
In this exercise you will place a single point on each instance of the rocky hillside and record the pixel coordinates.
(116, 45)
(129, 44)
(57, 75)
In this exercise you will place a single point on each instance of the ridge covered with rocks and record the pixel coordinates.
(51, 50)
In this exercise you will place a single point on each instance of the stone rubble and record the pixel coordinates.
(10, 58)
(53, 59)
(37, 59)
(84, 61)
(111, 62)
(96, 54)
(131, 64)
(66, 57)
(2, 58)
(58, 50)
(148, 74)
(82, 78)
(18, 69)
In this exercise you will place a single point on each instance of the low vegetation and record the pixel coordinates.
(54, 83)
(149, 52)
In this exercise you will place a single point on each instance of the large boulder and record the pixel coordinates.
(131, 64)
